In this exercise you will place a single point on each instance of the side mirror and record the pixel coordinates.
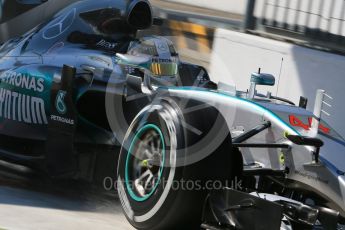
(260, 79)
(263, 79)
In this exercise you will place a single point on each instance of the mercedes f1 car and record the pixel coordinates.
(82, 97)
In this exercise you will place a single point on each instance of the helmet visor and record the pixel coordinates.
(164, 67)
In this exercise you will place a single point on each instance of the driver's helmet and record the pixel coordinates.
(164, 60)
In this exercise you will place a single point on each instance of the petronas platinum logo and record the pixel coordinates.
(60, 102)
(22, 108)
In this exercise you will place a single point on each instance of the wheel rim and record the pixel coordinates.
(145, 163)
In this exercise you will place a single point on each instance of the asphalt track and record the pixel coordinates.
(30, 200)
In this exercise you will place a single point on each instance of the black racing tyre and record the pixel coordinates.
(149, 183)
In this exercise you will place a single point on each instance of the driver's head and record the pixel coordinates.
(164, 58)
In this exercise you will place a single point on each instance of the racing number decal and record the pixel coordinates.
(60, 102)
(296, 122)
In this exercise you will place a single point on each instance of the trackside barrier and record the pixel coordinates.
(186, 35)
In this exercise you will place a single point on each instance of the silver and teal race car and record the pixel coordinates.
(81, 97)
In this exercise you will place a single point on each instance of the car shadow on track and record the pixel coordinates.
(20, 185)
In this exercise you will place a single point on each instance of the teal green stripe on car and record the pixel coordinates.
(250, 103)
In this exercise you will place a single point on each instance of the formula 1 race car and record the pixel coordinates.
(82, 97)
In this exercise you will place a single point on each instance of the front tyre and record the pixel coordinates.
(146, 171)
(150, 185)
